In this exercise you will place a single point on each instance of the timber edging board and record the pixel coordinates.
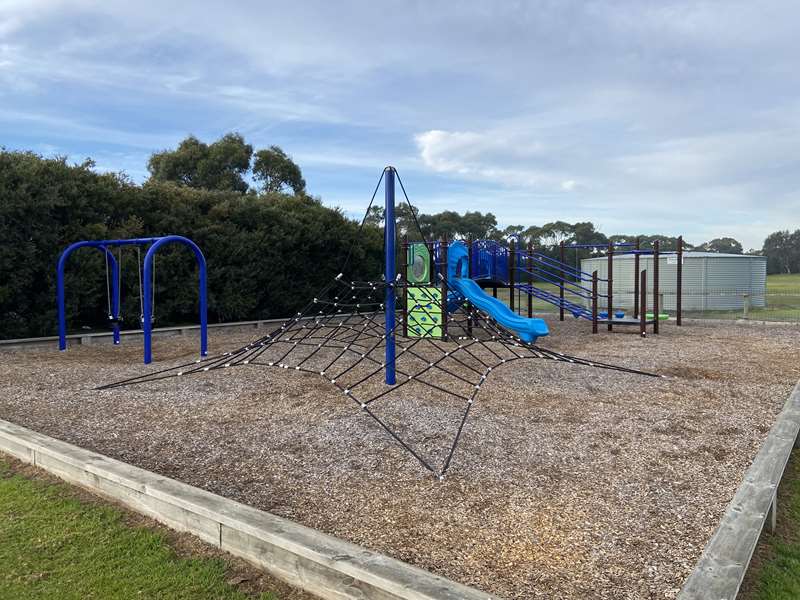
(306, 558)
(722, 566)
(90, 337)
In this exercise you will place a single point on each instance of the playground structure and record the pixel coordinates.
(522, 271)
(403, 339)
(146, 276)
(640, 313)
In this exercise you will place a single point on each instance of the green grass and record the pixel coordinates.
(53, 545)
(783, 283)
(776, 575)
(538, 305)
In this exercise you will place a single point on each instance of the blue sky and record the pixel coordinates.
(674, 117)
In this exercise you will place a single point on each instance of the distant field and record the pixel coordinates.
(783, 283)
(521, 300)
(783, 299)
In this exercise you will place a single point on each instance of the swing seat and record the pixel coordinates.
(115, 320)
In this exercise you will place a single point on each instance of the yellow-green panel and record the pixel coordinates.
(424, 312)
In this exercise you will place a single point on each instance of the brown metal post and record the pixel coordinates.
(561, 286)
(432, 264)
(404, 273)
(656, 306)
(594, 302)
(512, 255)
(610, 286)
(443, 246)
(643, 304)
(494, 270)
(432, 261)
(469, 273)
(637, 247)
(530, 279)
(679, 282)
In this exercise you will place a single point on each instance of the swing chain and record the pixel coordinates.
(111, 318)
(108, 285)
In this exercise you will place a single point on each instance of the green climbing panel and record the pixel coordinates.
(418, 263)
(424, 311)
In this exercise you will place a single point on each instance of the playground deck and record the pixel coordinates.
(570, 483)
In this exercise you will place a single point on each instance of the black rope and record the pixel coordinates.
(346, 319)
(339, 333)
(411, 208)
(361, 227)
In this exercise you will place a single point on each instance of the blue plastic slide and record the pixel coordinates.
(528, 330)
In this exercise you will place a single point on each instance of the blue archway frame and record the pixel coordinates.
(147, 326)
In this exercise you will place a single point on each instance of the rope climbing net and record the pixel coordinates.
(441, 351)
(341, 336)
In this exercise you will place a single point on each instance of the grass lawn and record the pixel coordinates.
(775, 570)
(57, 545)
(783, 283)
(521, 300)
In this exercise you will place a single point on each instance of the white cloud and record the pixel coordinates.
(508, 158)
(568, 185)
(572, 110)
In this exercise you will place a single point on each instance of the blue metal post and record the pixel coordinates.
(61, 296)
(389, 273)
(147, 292)
(147, 308)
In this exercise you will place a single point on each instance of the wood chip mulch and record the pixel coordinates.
(570, 482)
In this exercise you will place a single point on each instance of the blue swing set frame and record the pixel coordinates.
(147, 291)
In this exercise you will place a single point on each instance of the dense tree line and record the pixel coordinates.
(269, 245)
(545, 238)
(267, 252)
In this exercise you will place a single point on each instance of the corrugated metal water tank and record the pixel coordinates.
(711, 281)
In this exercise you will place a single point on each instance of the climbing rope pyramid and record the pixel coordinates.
(342, 336)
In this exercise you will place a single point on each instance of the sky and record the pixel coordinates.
(642, 117)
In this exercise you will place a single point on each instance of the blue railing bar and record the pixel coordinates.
(646, 252)
(615, 245)
(561, 266)
(553, 299)
(557, 282)
(579, 275)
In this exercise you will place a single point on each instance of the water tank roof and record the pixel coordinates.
(693, 254)
(686, 254)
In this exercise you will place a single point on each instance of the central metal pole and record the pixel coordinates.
(389, 273)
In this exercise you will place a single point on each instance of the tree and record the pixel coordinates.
(451, 224)
(552, 234)
(477, 225)
(782, 250)
(220, 166)
(512, 231)
(277, 172)
(726, 245)
(666, 243)
(406, 224)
